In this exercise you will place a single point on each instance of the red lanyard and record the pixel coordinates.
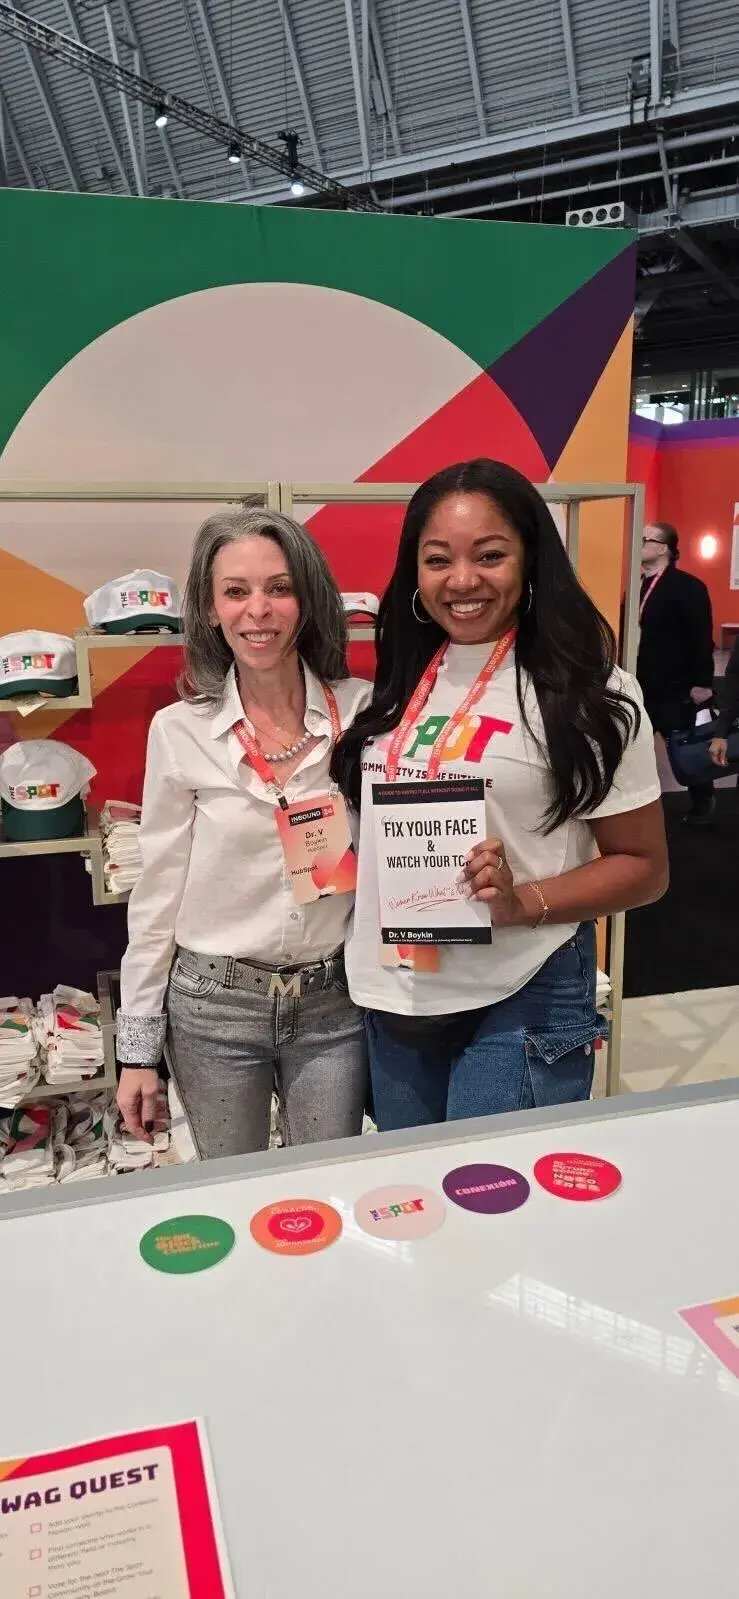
(421, 694)
(258, 760)
(652, 587)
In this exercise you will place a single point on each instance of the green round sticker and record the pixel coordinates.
(187, 1243)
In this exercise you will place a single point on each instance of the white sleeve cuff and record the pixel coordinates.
(140, 1039)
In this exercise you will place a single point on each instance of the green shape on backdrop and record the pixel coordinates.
(187, 1243)
(74, 266)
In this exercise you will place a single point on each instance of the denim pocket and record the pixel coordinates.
(554, 1044)
(561, 1061)
(191, 984)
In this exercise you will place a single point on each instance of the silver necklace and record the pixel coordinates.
(287, 755)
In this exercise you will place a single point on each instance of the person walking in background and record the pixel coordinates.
(674, 666)
(729, 712)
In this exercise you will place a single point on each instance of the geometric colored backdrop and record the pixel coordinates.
(159, 341)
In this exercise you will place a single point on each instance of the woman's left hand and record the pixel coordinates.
(487, 876)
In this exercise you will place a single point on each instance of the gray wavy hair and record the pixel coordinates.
(321, 638)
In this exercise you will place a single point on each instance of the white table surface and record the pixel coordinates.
(508, 1407)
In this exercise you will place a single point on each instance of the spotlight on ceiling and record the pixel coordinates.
(234, 154)
(160, 117)
(297, 187)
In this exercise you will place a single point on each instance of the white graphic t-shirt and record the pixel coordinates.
(490, 744)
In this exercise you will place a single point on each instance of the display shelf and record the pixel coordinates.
(106, 1080)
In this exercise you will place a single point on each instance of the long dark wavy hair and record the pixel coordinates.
(563, 645)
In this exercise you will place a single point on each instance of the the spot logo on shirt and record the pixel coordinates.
(469, 742)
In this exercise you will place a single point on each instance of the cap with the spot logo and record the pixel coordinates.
(42, 782)
(138, 602)
(37, 662)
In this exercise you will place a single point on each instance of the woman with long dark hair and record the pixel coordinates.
(508, 671)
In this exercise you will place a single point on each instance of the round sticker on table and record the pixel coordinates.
(296, 1226)
(572, 1176)
(488, 1189)
(399, 1212)
(187, 1243)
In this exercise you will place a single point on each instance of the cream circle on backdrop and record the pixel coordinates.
(243, 383)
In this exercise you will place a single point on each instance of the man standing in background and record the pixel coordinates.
(675, 661)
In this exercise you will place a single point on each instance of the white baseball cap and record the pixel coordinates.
(36, 662)
(361, 604)
(41, 786)
(138, 602)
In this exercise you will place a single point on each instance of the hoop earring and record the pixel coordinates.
(424, 620)
(530, 599)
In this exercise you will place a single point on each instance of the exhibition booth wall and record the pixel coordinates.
(148, 344)
(691, 475)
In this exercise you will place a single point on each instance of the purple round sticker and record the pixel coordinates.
(489, 1189)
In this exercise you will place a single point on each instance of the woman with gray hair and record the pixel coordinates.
(236, 926)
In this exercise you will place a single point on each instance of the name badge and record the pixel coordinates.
(318, 849)
(423, 832)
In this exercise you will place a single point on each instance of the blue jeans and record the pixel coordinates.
(535, 1048)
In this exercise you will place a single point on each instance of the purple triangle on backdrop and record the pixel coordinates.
(552, 372)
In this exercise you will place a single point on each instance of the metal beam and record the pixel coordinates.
(219, 75)
(357, 81)
(701, 254)
(102, 109)
(665, 170)
(655, 51)
(12, 129)
(95, 65)
(569, 44)
(38, 73)
(674, 24)
(125, 107)
(474, 65)
(383, 75)
(684, 103)
(300, 84)
(656, 222)
(166, 141)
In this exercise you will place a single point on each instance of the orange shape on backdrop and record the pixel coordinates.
(596, 452)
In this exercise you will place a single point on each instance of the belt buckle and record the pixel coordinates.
(279, 989)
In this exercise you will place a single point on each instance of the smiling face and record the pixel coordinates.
(470, 569)
(254, 601)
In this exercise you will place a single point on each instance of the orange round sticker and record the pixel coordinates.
(296, 1226)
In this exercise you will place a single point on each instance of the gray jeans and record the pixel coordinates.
(237, 1030)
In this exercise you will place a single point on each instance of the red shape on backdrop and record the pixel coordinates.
(360, 541)
(113, 734)
(580, 1177)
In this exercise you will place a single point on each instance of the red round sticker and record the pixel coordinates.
(297, 1226)
(571, 1176)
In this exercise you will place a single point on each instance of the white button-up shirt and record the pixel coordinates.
(214, 878)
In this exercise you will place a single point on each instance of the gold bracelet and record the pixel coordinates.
(544, 906)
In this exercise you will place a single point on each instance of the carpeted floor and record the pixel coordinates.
(690, 939)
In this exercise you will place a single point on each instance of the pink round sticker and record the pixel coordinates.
(399, 1212)
(572, 1176)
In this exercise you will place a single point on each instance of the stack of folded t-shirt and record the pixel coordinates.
(19, 1058)
(127, 1153)
(119, 826)
(73, 1035)
(28, 1158)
